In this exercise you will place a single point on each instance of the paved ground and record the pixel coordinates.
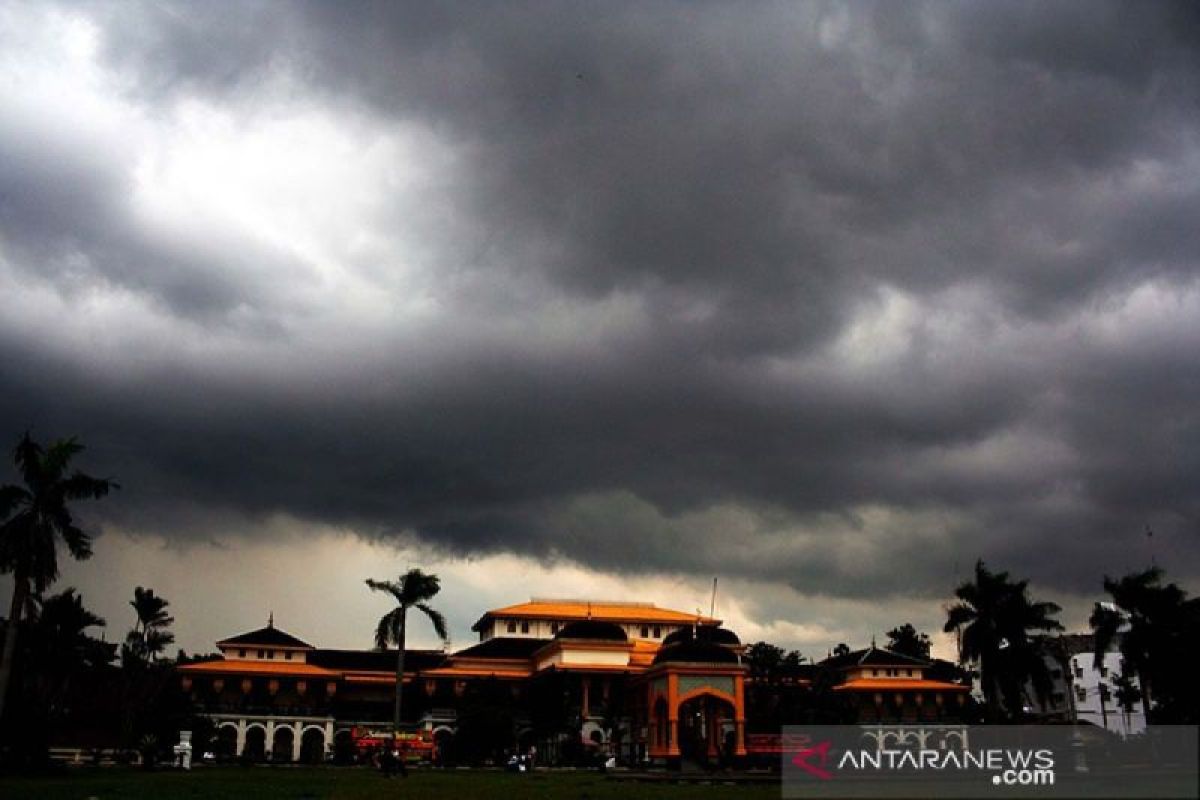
(318, 783)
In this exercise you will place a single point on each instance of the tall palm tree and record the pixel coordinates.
(36, 515)
(149, 637)
(993, 619)
(410, 590)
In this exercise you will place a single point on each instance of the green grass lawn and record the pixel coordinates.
(204, 783)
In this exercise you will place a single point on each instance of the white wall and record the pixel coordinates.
(1079, 693)
(252, 653)
(544, 629)
(1090, 704)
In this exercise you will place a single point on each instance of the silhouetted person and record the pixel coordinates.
(387, 762)
(402, 760)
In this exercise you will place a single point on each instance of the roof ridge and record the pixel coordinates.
(587, 601)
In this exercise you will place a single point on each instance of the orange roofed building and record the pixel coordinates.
(568, 677)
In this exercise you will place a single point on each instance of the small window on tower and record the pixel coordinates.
(645, 631)
(288, 655)
(657, 632)
(262, 653)
(512, 626)
(524, 627)
(241, 653)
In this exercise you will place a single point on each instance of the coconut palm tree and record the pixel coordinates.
(36, 515)
(410, 590)
(994, 619)
(149, 637)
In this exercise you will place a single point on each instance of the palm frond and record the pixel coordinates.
(388, 629)
(391, 587)
(79, 543)
(28, 457)
(436, 619)
(85, 487)
(57, 456)
(957, 616)
(157, 641)
(12, 497)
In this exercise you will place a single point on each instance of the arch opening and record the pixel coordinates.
(312, 746)
(282, 744)
(706, 723)
(255, 748)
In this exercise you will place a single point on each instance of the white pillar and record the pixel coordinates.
(269, 743)
(328, 737)
(297, 734)
(241, 737)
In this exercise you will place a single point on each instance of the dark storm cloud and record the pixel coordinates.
(842, 296)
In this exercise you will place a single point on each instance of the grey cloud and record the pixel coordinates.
(751, 180)
(66, 218)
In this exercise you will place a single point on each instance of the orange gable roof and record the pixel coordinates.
(280, 668)
(643, 653)
(608, 611)
(476, 671)
(899, 684)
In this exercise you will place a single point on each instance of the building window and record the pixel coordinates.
(288, 655)
(645, 631)
(262, 653)
(1103, 671)
(657, 632)
(241, 653)
(512, 626)
(524, 627)
(1081, 693)
(553, 628)
(1078, 671)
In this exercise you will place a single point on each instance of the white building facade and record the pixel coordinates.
(1086, 693)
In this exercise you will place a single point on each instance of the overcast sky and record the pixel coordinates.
(828, 300)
